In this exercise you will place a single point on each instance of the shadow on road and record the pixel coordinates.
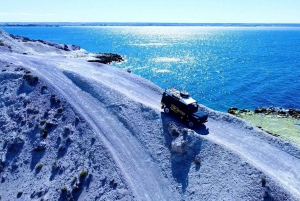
(201, 129)
(189, 147)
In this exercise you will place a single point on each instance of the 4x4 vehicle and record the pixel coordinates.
(183, 106)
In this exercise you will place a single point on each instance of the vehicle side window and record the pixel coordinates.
(193, 107)
(168, 99)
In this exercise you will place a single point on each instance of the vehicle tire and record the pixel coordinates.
(166, 110)
(191, 124)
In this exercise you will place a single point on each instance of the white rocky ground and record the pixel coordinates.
(73, 130)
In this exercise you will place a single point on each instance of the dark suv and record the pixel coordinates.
(183, 106)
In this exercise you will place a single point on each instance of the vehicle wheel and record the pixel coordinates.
(167, 110)
(191, 124)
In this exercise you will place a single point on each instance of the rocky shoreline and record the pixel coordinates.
(104, 58)
(266, 111)
(271, 112)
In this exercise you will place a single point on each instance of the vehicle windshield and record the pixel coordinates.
(193, 107)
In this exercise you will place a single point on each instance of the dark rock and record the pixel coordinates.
(244, 110)
(54, 100)
(40, 147)
(274, 134)
(94, 60)
(232, 110)
(260, 110)
(25, 39)
(19, 194)
(113, 184)
(50, 125)
(67, 130)
(263, 182)
(107, 58)
(32, 80)
(66, 48)
(2, 179)
(282, 113)
(271, 110)
(294, 113)
(75, 47)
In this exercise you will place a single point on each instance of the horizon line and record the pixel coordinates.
(144, 24)
(164, 22)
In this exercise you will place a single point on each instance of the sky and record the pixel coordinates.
(181, 11)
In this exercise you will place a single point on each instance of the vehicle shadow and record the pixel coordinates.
(199, 129)
(187, 148)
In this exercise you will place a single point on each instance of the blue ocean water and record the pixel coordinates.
(221, 67)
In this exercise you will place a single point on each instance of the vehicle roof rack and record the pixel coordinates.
(183, 97)
(175, 92)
